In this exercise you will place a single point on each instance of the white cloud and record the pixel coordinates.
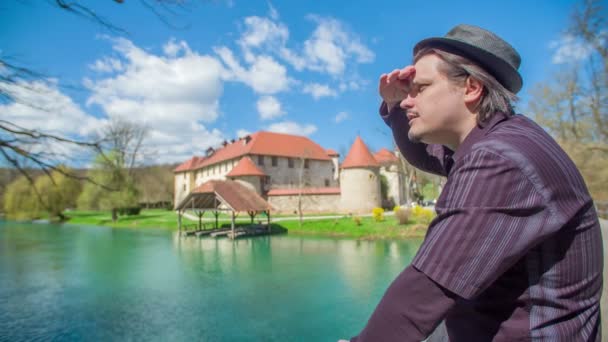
(106, 64)
(319, 90)
(173, 48)
(263, 31)
(172, 94)
(331, 46)
(291, 127)
(242, 132)
(569, 49)
(329, 49)
(269, 108)
(341, 117)
(40, 105)
(264, 74)
(274, 14)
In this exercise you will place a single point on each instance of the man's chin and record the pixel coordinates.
(415, 138)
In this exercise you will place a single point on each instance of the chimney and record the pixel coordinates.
(209, 151)
(246, 140)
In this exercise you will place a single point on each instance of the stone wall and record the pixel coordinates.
(310, 203)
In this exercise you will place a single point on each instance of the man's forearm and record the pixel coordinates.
(410, 310)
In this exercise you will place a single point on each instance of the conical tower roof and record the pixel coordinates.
(359, 156)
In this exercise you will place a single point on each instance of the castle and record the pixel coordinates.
(289, 170)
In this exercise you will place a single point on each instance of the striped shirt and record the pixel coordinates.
(515, 249)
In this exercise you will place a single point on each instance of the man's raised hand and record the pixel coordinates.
(395, 85)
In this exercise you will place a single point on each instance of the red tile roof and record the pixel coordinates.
(384, 156)
(236, 195)
(188, 164)
(305, 191)
(359, 156)
(332, 153)
(245, 167)
(262, 143)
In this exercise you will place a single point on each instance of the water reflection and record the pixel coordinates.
(96, 283)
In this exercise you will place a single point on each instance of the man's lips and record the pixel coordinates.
(411, 116)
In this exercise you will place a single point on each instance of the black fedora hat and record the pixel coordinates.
(491, 52)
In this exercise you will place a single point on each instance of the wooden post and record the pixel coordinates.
(200, 219)
(216, 213)
(232, 225)
(179, 221)
(268, 216)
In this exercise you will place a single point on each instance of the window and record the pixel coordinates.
(184, 176)
(184, 187)
(290, 162)
(275, 161)
(260, 160)
(306, 163)
(326, 182)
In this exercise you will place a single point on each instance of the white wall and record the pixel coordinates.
(360, 190)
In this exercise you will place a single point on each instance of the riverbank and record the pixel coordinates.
(364, 228)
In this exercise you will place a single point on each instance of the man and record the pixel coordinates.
(515, 252)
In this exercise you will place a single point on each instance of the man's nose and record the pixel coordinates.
(407, 102)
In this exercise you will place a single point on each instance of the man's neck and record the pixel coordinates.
(462, 133)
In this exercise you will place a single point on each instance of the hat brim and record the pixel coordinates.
(500, 69)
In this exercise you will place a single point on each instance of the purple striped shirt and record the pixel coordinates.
(515, 252)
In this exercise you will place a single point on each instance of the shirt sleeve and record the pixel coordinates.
(489, 216)
(432, 158)
(410, 310)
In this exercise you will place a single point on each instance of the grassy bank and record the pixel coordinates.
(368, 228)
(151, 218)
(365, 228)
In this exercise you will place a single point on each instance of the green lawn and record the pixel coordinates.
(346, 226)
(150, 218)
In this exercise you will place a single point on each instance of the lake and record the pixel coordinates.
(66, 282)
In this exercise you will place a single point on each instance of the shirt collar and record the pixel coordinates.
(478, 132)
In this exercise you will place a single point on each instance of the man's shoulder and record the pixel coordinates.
(522, 143)
(519, 140)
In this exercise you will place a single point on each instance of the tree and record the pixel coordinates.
(27, 149)
(20, 201)
(58, 192)
(155, 185)
(573, 104)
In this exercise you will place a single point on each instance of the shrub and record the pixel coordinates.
(129, 211)
(357, 220)
(378, 214)
(423, 215)
(402, 215)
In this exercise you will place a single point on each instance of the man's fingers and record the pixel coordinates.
(394, 75)
(407, 72)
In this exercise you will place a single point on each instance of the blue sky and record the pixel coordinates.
(231, 67)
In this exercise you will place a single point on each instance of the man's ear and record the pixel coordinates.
(473, 91)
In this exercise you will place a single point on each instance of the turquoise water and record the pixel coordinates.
(96, 283)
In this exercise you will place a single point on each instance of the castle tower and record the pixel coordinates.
(359, 180)
(248, 174)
